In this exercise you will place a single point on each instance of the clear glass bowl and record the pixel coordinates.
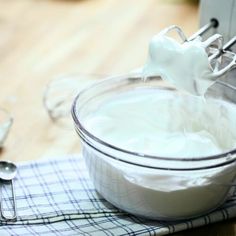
(155, 187)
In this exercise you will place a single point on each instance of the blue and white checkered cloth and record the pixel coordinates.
(56, 197)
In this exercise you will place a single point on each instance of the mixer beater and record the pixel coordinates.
(213, 45)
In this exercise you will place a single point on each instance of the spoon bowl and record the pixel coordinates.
(8, 170)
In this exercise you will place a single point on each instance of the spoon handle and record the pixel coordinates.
(14, 215)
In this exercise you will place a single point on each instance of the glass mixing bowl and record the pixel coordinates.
(155, 187)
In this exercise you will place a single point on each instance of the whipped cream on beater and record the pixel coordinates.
(184, 65)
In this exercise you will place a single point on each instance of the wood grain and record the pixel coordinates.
(42, 39)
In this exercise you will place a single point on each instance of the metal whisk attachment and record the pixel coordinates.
(213, 45)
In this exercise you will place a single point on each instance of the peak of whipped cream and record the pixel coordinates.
(184, 65)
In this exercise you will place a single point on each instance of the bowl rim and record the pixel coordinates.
(80, 127)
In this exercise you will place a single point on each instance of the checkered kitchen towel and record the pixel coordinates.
(56, 197)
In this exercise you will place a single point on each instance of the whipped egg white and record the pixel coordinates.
(184, 65)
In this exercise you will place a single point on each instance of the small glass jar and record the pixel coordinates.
(163, 188)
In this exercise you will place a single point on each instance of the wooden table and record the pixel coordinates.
(41, 39)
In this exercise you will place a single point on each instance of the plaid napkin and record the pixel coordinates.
(56, 197)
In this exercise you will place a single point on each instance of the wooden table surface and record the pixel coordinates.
(42, 39)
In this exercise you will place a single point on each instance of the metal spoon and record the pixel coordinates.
(8, 171)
